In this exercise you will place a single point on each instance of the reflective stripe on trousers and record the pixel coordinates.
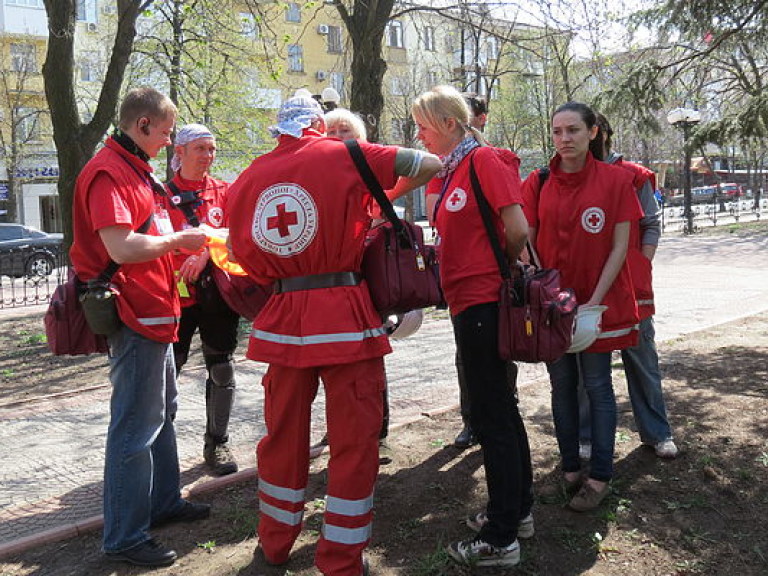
(350, 509)
(284, 495)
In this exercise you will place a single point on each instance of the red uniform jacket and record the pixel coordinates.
(301, 210)
(468, 269)
(640, 267)
(148, 301)
(211, 212)
(574, 216)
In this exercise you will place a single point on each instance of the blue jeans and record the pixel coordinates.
(594, 370)
(495, 420)
(641, 367)
(141, 467)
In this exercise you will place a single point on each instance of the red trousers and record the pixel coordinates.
(353, 412)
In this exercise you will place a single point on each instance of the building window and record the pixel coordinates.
(248, 25)
(334, 39)
(295, 58)
(395, 34)
(429, 38)
(28, 3)
(89, 68)
(80, 11)
(337, 83)
(492, 48)
(432, 79)
(23, 58)
(399, 85)
(293, 12)
(26, 125)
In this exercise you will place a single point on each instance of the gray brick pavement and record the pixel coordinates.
(52, 475)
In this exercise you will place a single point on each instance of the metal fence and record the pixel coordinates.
(715, 213)
(30, 289)
(24, 285)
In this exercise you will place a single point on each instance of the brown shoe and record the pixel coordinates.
(219, 459)
(588, 497)
(562, 488)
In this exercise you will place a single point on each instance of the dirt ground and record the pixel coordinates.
(703, 513)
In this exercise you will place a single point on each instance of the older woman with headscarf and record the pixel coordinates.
(302, 227)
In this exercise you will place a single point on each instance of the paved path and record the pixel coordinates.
(52, 457)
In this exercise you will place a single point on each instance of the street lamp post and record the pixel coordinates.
(685, 119)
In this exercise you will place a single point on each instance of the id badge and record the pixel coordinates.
(163, 222)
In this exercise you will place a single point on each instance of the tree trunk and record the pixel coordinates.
(365, 26)
(75, 141)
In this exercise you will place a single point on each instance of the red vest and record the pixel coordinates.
(574, 216)
(210, 212)
(639, 266)
(301, 210)
(148, 301)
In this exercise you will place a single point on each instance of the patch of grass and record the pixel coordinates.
(438, 443)
(243, 519)
(571, 540)
(7, 373)
(407, 529)
(622, 437)
(433, 564)
(762, 459)
(34, 339)
(209, 546)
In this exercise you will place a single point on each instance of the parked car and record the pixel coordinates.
(28, 252)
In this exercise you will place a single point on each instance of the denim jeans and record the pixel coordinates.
(496, 421)
(641, 367)
(595, 372)
(141, 467)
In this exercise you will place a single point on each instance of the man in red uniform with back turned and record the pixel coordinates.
(298, 217)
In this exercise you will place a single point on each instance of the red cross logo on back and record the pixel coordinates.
(282, 220)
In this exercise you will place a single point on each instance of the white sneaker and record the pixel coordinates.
(666, 449)
(525, 529)
(477, 552)
(585, 450)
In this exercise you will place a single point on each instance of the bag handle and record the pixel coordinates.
(353, 147)
(485, 213)
(186, 208)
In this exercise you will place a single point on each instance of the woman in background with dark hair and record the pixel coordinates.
(579, 223)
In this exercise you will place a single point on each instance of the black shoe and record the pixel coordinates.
(466, 438)
(149, 553)
(189, 512)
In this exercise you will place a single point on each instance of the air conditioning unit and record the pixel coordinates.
(92, 27)
(322, 29)
(321, 75)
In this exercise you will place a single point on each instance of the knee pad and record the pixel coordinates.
(223, 374)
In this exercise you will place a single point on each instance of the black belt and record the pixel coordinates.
(317, 281)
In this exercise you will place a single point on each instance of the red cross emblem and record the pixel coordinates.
(593, 219)
(282, 220)
(454, 199)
